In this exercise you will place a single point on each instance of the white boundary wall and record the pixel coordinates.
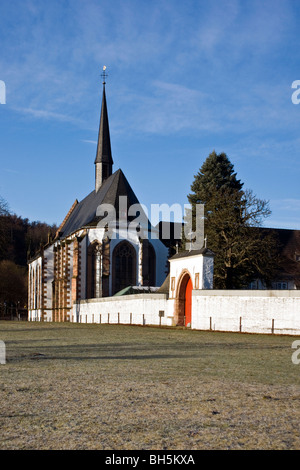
(261, 311)
(136, 309)
(251, 311)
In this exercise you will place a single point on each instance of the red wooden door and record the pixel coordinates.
(188, 302)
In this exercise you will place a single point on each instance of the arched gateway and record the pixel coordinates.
(189, 270)
(183, 308)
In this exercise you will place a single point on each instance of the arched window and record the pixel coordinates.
(34, 289)
(30, 288)
(124, 266)
(37, 287)
(94, 271)
(149, 264)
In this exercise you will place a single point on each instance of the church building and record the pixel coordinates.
(106, 251)
(98, 249)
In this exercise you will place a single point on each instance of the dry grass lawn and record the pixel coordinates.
(78, 386)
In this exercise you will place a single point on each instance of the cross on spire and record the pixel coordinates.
(103, 160)
(104, 74)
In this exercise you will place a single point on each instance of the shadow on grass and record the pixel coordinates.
(103, 358)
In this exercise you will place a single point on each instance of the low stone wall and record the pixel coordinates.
(136, 309)
(261, 311)
(249, 311)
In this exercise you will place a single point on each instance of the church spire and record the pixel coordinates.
(103, 160)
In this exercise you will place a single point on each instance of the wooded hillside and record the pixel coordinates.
(20, 239)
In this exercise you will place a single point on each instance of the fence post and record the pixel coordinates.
(2, 353)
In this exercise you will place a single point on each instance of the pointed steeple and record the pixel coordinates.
(103, 160)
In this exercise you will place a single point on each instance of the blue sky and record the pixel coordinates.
(185, 78)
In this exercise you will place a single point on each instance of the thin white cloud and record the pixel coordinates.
(288, 223)
(288, 204)
(44, 114)
(49, 72)
(166, 108)
(285, 213)
(89, 141)
(9, 170)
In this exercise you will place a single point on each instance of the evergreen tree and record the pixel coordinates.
(243, 251)
(216, 174)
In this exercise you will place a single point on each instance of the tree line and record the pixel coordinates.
(20, 239)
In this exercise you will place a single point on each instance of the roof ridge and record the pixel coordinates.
(66, 218)
(85, 212)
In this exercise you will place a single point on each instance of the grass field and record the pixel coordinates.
(79, 386)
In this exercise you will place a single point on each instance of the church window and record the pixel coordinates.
(124, 266)
(34, 290)
(31, 287)
(152, 265)
(94, 271)
(37, 288)
(149, 263)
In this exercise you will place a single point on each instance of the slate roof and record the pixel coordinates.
(136, 290)
(84, 213)
(164, 288)
(186, 253)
